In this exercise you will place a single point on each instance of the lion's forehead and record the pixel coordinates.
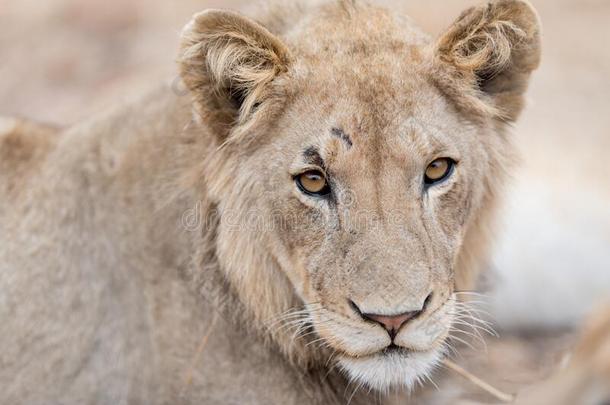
(389, 114)
(367, 77)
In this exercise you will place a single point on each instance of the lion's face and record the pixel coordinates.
(371, 191)
(358, 178)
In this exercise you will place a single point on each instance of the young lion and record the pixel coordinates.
(298, 226)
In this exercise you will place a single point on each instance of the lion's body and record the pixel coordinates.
(104, 215)
(129, 326)
(112, 294)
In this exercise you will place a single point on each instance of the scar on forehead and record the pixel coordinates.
(339, 133)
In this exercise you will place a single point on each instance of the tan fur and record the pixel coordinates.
(139, 225)
(23, 146)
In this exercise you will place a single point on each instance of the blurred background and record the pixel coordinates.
(62, 61)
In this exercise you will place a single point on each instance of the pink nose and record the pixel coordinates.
(392, 323)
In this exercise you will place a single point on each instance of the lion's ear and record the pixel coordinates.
(484, 60)
(227, 62)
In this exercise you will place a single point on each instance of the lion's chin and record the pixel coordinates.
(388, 370)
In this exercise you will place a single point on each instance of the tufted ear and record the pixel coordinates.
(484, 60)
(227, 62)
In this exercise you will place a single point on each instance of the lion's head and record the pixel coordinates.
(355, 166)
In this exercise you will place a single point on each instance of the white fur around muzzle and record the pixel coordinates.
(391, 371)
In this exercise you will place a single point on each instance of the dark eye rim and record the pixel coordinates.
(428, 182)
(322, 193)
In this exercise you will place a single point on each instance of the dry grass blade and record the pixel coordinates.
(501, 396)
(204, 341)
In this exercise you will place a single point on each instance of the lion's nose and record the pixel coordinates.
(392, 323)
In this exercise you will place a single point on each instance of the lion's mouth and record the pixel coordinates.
(427, 336)
(393, 349)
(393, 366)
(400, 361)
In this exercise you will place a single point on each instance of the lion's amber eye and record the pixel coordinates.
(313, 182)
(438, 170)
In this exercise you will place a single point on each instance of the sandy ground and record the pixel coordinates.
(64, 60)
